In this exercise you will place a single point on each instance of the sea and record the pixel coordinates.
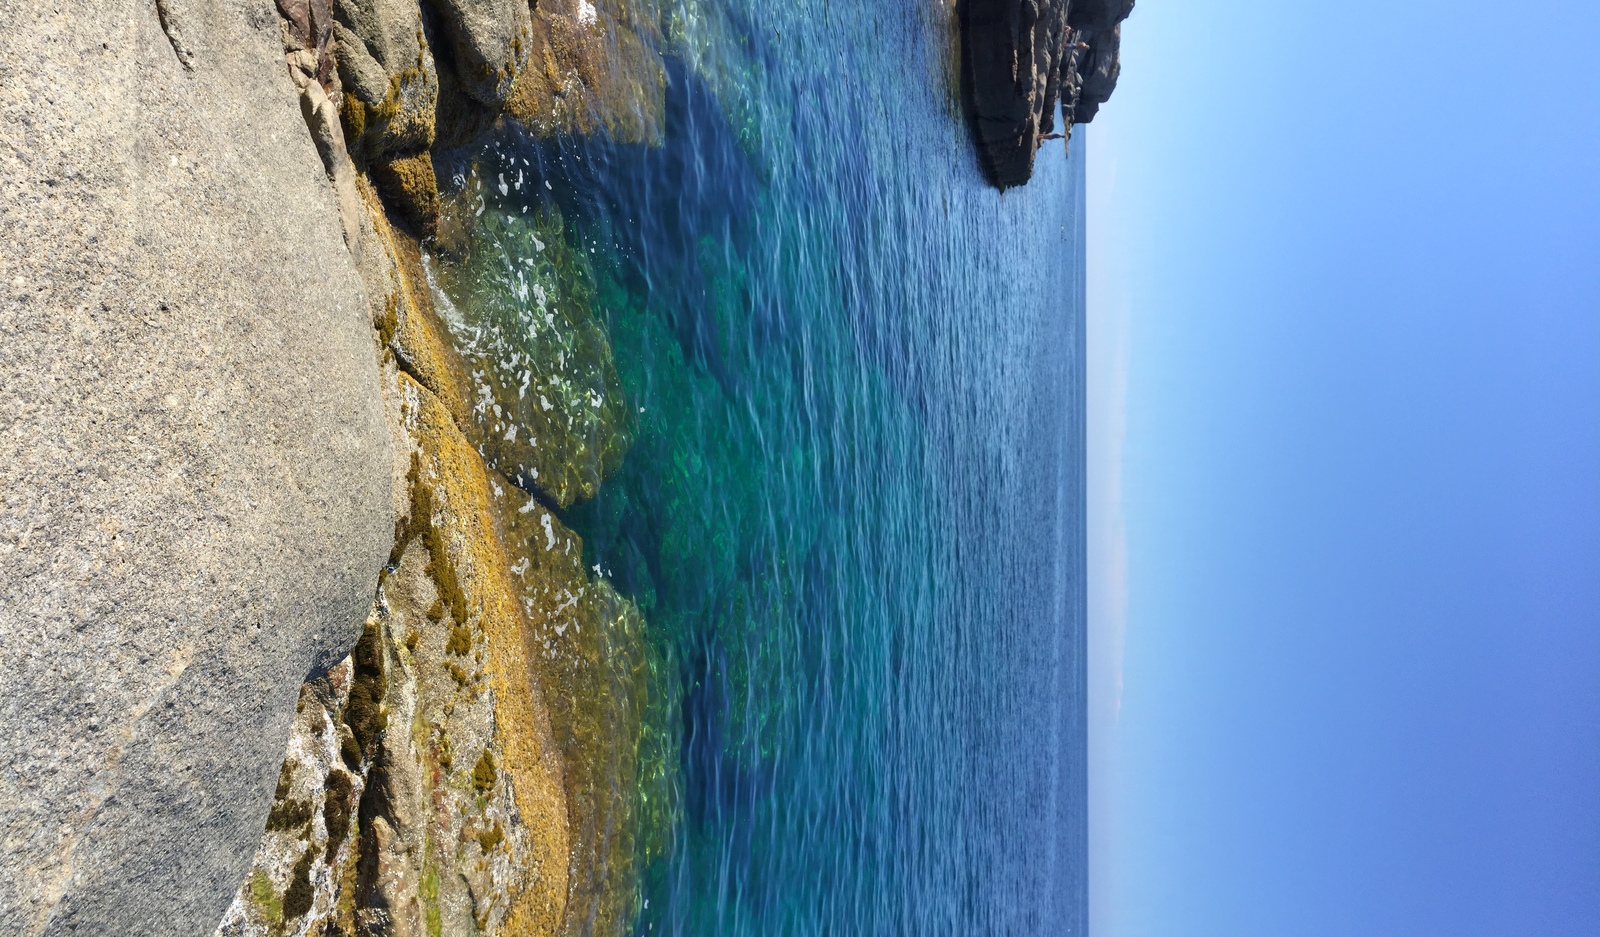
(851, 510)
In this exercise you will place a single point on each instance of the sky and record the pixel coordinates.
(1344, 339)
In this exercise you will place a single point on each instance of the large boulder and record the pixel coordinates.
(1013, 55)
(1097, 14)
(195, 477)
(390, 82)
(1099, 65)
(489, 41)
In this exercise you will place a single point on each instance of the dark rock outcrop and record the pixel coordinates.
(1021, 58)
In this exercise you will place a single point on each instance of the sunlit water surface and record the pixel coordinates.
(845, 481)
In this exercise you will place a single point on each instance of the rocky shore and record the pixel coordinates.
(1024, 57)
(295, 640)
(237, 441)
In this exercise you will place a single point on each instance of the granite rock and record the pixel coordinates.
(195, 482)
(390, 80)
(488, 43)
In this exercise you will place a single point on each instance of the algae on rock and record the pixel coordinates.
(480, 811)
(462, 820)
(596, 66)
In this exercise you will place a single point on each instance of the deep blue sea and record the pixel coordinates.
(852, 511)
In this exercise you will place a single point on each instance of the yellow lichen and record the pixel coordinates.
(457, 510)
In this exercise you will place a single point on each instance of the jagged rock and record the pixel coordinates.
(489, 44)
(308, 27)
(462, 816)
(1021, 59)
(195, 472)
(1098, 69)
(1097, 14)
(390, 81)
(306, 849)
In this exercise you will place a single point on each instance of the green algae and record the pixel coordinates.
(337, 809)
(484, 774)
(365, 713)
(288, 813)
(299, 896)
(428, 891)
(265, 898)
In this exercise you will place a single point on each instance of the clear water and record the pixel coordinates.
(851, 503)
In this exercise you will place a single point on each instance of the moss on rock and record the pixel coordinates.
(408, 183)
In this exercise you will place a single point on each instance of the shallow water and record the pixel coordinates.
(835, 458)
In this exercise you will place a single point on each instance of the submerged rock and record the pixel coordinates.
(613, 709)
(548, 408)
(196, 484)
(1023, 58)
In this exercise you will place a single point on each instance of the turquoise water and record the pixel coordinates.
(851, 507)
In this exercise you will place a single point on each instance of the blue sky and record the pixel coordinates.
(1345, 471)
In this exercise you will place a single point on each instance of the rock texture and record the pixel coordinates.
(1022, 58)
(195, 482)
(422, 792)
(230, 412)
(425, 74)
(487, 727)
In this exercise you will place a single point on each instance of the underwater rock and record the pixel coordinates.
(548, 408)
(613, 708)
(1022, 58)
(197, 491)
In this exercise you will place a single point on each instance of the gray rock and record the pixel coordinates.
(195, 479)
(1014, 50)
(385, 62)
(1098, 14)
(1098, 69)
(490, 41)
